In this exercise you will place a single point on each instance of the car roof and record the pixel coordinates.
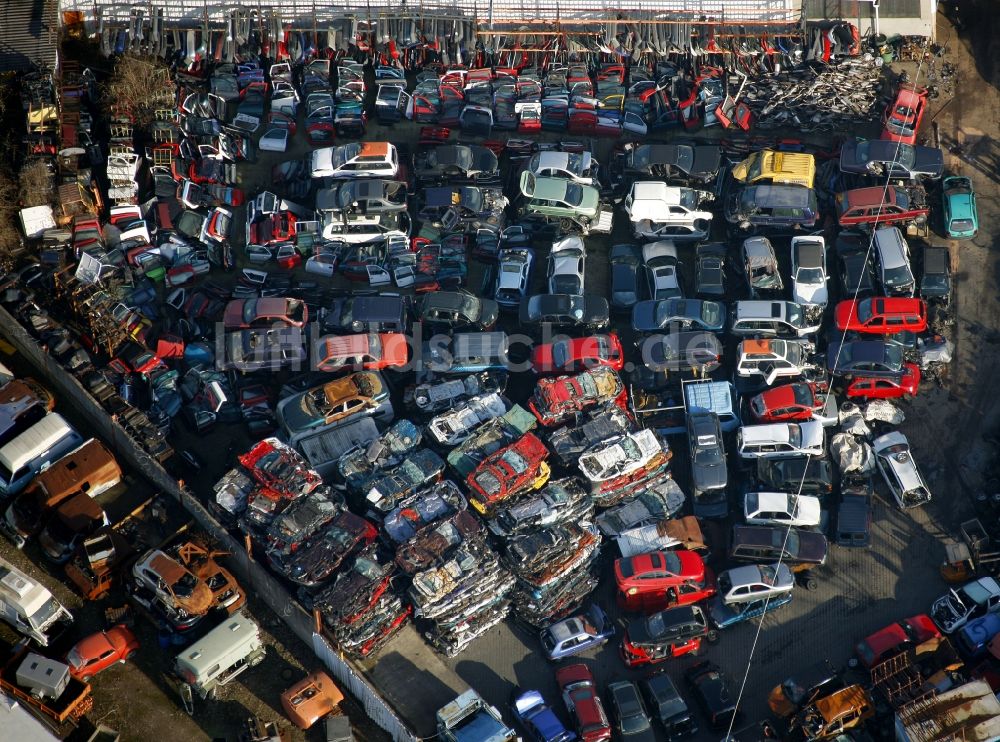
(761, 308)
(936, 259)
(548, 188)
(655, 190)
(779, 195)
(871, 196)
(810, 253)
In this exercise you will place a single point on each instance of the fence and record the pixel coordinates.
(252, 575)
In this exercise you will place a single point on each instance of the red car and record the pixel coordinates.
(273, 228)
(572, 355)
(903, 117)
(100, 651)
(654, 581)
(671, 633)
(895, 638)
(557, 399)
(866, 206)
(886, 388)
(583, 702)
(787, 403)
(371, 351)
(242, 314)
(882, 315)
(513, 470)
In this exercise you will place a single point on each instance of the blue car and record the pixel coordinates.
(974, 638)
(465, 353)
(539, 721)
(577, 634)
(723, 615)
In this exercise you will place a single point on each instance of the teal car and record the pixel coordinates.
(961, 220)
(573, 206)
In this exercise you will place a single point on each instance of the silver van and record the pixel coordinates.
(221, 655)
(892, 256)
(756, 318)
(35, 450)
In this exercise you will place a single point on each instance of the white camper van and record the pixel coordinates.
(29, 607)
(223, 653)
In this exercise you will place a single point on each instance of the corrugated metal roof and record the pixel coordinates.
(29, 34)
(848, 9)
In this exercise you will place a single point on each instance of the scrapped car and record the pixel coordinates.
(773, 358)
(420, 467)
(723, 614)
(360, 463)
(797, 401)
(801, 550)
(369, 351)
(316, 562)
(457, 310)
(780, 439)
(625, 262)
(876, 205)
(465, 352)
(832, 715)
(895, 461)
(711, 689)
(663, 270)
(868, 358)
(364, 392)
(583, 702)
(652, 581)
(264, 349)
(904, 114)
(566, 266)
(456, 163)
(163, 585)
(810, 475)
(658, 211)
(680, 352)
(972, 600)
(673, 162)
(809, 278)
(560, 501)
(355, 314)
(100, 651)
(631, 719)
(436, 396)
(881, 315)
(707, 452)
(935, 281)
(593, 427)
(710, 271)
(894, 639)
(512, 276)
(436, 543)
(771, 166)
(538, 720)
(241, 314)
(226, 592)
(892, 258)
(617, 458)
(768, 318)
(366, 196)
(754, 581)
(885, 158)
(803, 687)
(453, 427)
(573, 355)
(574, 207)
(462, 208)
(960, 216)
(683, 314)
(577, 634)
(511, 471)
(669, 707)
(579, 167)
(557, 399)
(652, 505)
(356, 160)
(856, 275)
(780, 508)
(670, 633)
(570, 311)
(772, 207)
(760, 266)
(364, 229)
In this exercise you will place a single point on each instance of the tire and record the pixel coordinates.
(713, 636)
(811, 584)
(566, 224)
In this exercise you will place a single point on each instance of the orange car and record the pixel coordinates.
(100, 651)
(366, 352)
(310, 699)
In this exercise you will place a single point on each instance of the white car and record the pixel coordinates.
(360, 229)
(754, 581)
(773, 359)
(513, 273)
(781, 508)
(621, 455)
(658, 211)
(662, 270)
(566, 266)
(809, 276)
(780, 439)
(356, 160)
(581, 168)
(895, 461)
(960, 605)
(456, 425)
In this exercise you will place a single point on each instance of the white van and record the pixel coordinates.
(29, 607)
(34, 450)
(780, 439)
(758, 318)
(221, 655)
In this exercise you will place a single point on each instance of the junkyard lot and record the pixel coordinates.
(860, 591)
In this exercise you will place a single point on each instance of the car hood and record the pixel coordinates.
(706, 160)
(948, 611)
(709, 477)
(644, 316)
(928, 160)
(810, 293)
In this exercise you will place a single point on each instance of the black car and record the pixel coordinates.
(457, 310)
(711, 689)
(681, 351)
(854, 513)
(668, 706)
(629, 713)
(710, 271)
(462, 208)
(679, 314)
(881, 158)
(456, 163)
(935, 280)
(856, 273)
(626, 263)
(865, 358)
(356, 314)
(807, 475)
(798, 548)
(694, 164)
(570, 311)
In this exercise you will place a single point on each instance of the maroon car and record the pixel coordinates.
(242, 314)
(867, 206)
(316, 562)
(583, 702)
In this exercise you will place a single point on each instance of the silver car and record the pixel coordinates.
(895, 461)
(755, 581)
(960, 605)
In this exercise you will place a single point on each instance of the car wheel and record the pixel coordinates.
(713, 636)
(812, 584)
(565, 224)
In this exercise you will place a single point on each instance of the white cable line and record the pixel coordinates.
(843, 337)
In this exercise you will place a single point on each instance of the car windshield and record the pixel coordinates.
(517, 463)
(470, 307)
(672, 562)
(865, 310)
(802, 394)
(902, 199)
(796, 316)
(560, 353)
(685, 158)
(976, 594)
(574, 163)
(472, 198)
(633, 723)
(250, 311)
(893, 277)
(962, 225)
(343, 154)
(809, 275)
(44, 614)
(707, 451)
(689, 198)
(711, 313)
(574, 194)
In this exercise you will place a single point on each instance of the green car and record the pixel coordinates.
(572, 205)
(961, 221)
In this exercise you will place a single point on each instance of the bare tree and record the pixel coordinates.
(36, 184)
(136, 89)
(10, 234)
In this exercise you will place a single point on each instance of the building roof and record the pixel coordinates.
(29, 34)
